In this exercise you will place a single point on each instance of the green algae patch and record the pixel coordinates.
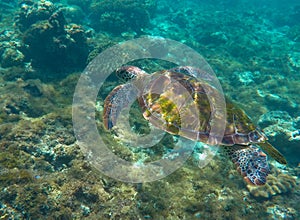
(16, 176)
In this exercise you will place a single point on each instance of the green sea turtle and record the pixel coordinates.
(164, 104)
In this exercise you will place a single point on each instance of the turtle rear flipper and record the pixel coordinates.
(272, 152)
(251, 162)
(121, 97)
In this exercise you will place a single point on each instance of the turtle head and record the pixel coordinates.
(127, 73)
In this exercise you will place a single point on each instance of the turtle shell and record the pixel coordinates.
(183, 101)
(177, 102)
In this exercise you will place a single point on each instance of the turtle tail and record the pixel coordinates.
(251, 162)
(121, 97)
(272, 152)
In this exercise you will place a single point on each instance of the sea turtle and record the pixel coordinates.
(163, 105)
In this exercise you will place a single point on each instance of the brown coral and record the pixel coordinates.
(276, 184)
(49, 42)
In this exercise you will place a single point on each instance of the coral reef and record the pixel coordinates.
(283, 131)
(36, 99)
(31, 12)
(49, 41)
(10, 50)
(12, 57)
(277, 184)
(281, 212)
(121, 16)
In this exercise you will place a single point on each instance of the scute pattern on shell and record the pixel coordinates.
(191, 115)
(171, 100)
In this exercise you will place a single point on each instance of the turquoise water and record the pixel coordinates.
(252, 47)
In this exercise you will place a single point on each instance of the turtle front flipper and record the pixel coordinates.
(272, 152)
(121, 97)
(251, 162)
